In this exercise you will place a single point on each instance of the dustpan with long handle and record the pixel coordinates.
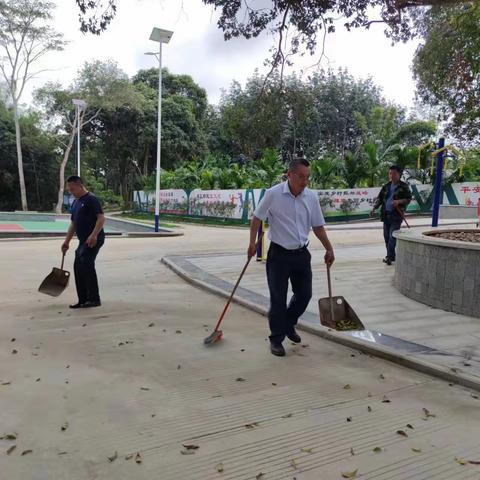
(56, 281)
(336, 313)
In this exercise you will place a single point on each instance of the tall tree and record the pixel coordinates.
(25, 37)
(65, 120)
(447, 66)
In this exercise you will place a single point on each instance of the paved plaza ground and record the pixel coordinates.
(134, 377)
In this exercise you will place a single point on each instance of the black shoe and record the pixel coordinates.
(294, 337)
(386, 260)
(77, 305)
(277, 349)
(90, 304)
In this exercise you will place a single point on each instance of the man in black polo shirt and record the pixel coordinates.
(87, 222)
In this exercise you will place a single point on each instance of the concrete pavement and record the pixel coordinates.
(134, 377)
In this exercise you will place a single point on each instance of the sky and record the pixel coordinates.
(197, 48)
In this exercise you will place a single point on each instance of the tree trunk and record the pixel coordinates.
(21, 177)
(61, 188)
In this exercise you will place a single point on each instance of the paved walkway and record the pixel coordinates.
(134, 377)
(447, 339)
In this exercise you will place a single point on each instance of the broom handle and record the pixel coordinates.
(332, 317)
(235, 287)
(63, 259)
(402, 215)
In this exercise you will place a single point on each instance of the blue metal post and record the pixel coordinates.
(437, 189)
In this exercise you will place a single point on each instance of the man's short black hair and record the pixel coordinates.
(74, 179)
(396, 168)
(297, 161)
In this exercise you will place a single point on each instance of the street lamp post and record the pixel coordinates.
(80, 105)
(161, 36)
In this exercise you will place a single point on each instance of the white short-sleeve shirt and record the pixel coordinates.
(290, 218)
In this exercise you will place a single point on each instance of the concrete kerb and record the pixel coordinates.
(422, 366)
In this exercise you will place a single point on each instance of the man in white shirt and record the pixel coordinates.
(292, 211)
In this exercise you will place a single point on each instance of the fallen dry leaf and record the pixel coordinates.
(151, 324)
(473, 395)
(259, 476)
(219, 467)
(129, 456)
(190, 446)
(377, 450)
(385, 399)
(347, 386)
(369, 408)
(352, 452)
(6, 383)
(64, 426)
(402, 433)
(349, 419)
(26, 452)
(178, 331)
(382, 376)
(461, 461)
(417, 450)
(427, 413)
(11, 449)
(307, 450)
(144, 388)
(62, 453)
(138, 458)
(369, 394)
(409, 426)
(274, 384)
(293, 464)
(351, 474)
(113, 457)
(251, 425)
(288, 415)
(14, 351)
(9, 436)
(239, 379)
(474, 462)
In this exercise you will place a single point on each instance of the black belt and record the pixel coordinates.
(286, 250)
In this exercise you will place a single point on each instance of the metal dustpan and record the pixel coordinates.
(336, 313)
(56, 281)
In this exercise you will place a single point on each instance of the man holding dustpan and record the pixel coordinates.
(292, 211)
(87, 222)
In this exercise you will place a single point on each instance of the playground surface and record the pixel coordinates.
(31, 226)
(86, 391)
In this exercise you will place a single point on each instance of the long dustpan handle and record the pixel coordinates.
(332, 317)
(235, 287)
(63, 259)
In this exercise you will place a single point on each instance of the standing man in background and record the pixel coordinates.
(87, 222)
(393, 198)
(292, 211)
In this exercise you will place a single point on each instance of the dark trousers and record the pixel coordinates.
(282, 267)
(85, 274)
(391, 223)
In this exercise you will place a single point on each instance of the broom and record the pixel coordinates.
(217, 334)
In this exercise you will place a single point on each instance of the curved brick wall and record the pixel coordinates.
(441, 273)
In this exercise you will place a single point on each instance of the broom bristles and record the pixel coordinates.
(216, 336)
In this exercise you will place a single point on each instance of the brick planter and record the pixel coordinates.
(441, 273)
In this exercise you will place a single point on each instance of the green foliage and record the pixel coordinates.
(447, 66)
